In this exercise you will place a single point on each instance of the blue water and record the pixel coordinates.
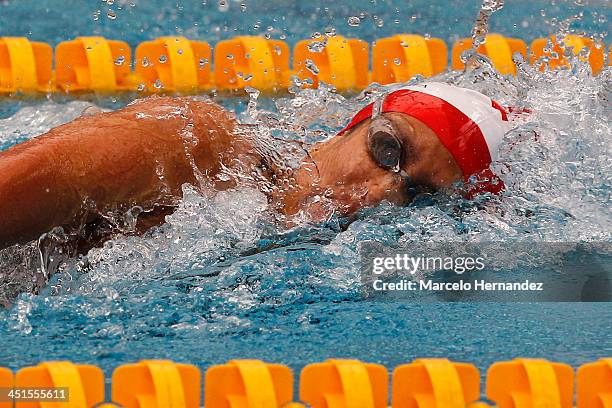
(221, 281)
(139, 20)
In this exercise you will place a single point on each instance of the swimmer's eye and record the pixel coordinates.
(384, 146)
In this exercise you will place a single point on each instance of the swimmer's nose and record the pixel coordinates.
(410, 190)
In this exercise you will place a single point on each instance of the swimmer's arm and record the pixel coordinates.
(70, 174)
(111, 161)
(31, 200)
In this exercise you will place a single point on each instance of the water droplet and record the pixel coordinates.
(230, 56)
(111, 14)
(163, 59)
(330, 32)
(252, 104)
(223, 6)
(243, 7)
(179, 51)
(141, 87)
(120, 60)
(157, 84)
(317, 46)
(316, 34)
(354, 21)
(311, 66)
(145, 62)
(585, 52)
(397, 61)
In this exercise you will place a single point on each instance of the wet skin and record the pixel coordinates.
(142, 154)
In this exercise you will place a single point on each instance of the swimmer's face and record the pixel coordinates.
(360, 168)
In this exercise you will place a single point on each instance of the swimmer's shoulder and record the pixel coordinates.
(202, 112)
(178, 104)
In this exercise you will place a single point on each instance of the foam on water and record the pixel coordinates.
(31, 121)
(223, 277)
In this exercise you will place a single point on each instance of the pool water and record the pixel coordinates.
(220, 280)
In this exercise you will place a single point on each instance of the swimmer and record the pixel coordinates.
(418, 138)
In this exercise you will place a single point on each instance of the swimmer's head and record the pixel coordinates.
(391, 157)
(409, 141)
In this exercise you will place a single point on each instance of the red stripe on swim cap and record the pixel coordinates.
(363, 114)
(458, 133)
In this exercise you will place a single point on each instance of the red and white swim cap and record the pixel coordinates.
(469, 124)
